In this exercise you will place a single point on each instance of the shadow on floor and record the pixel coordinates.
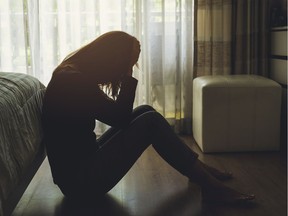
(107, 206)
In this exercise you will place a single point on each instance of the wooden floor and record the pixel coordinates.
(152, 188)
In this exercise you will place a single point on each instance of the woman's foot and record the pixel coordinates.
(213, 190)
(220, 175)
(225, 195)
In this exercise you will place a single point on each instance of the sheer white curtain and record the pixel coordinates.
(36, 35)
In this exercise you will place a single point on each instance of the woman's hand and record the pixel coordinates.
(130, 72)
(134, 57)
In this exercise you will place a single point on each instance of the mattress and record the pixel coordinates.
(20, 127)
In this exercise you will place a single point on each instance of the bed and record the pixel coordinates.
(21, 148)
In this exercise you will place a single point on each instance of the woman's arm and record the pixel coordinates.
(117, 112)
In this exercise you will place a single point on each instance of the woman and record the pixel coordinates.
(85, 167)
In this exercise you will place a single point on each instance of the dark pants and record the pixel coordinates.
(120, 148)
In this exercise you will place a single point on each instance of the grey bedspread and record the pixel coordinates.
(20, 127)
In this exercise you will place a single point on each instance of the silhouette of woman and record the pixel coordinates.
(95, 82)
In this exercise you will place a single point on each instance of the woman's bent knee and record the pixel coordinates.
(142, 109)
(147, 119)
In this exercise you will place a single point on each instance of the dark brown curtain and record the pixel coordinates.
(250, 43)
(231, 37)
(213, 37)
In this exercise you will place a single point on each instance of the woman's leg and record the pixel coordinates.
(119, 153)
(220, 175)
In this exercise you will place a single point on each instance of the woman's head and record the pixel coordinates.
(106, 59)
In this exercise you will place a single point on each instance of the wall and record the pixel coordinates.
(278, 72)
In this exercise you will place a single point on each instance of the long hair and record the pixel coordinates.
(106, 59)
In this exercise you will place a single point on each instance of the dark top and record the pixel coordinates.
(71, 105)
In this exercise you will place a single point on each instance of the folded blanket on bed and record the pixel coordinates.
(20, 127)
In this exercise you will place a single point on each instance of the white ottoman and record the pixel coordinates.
(234, 113)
